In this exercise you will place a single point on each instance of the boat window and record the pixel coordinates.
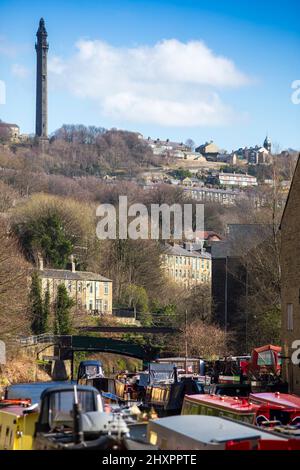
(194, 410)
(6, 438)
(232, 391)
(200, 388)
(265, 358)
(91, 370)
(61, 406)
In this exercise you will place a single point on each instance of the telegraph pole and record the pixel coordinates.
(186, 342)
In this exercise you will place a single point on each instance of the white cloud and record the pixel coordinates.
(171, 83)
(7, 48)
(19, 71)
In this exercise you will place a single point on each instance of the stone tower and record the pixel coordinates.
(268, 144)
(41, 47)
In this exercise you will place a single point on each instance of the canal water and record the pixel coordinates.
(32, 390)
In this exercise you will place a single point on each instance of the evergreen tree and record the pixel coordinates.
(63, 305)
(36, 304)
(46, 310)
(48, 233)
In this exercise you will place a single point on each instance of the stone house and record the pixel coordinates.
(90, 291)
(290, 284)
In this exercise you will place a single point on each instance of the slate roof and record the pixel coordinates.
(68, 275)
(178, 250)
(7, 124)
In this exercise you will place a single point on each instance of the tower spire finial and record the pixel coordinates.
(42, 28)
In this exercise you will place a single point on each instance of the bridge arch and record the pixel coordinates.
(110, 345)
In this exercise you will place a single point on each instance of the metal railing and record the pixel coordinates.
(37, 339)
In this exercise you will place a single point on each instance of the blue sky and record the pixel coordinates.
(209, 70)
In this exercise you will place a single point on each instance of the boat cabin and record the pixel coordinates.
(211, 433)
(165, 392)
(190, 365)
(57, 403)
(230, 389)
(265, 360)
(89, 370)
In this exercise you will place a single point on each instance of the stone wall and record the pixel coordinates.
(290, 284)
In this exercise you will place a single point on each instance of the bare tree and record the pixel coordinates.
(8, 197)
(13, 286)
(204, 340)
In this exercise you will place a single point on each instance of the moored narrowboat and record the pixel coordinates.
(166, 390)
(72, 418)
(214, 405)
(213, 433)
(17, 424)
(90, 369)
(278, 407)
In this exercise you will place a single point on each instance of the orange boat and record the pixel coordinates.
(25, 402)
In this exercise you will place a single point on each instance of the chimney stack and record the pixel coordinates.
(73, 266)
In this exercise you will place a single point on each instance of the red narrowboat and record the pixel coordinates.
(282, 407)
(235, 408)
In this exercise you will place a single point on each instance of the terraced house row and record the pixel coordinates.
(188, 264)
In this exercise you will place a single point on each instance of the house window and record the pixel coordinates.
(91, 288)
(290, 317)
(99, 305)
(91, 305)
(105, 305)
(106, 288)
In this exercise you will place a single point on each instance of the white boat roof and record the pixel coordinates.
(212, 429)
